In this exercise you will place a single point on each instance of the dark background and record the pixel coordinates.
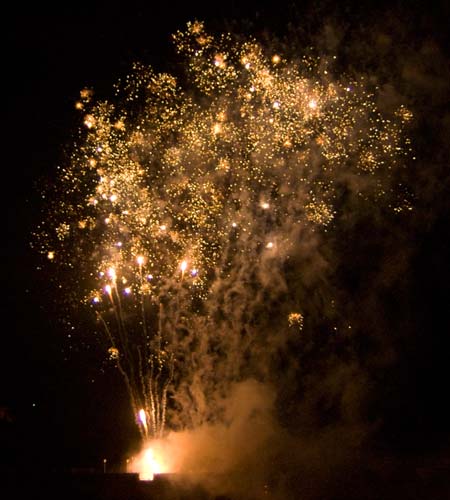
(59, 407)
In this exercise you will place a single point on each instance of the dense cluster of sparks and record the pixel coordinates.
(171, 186)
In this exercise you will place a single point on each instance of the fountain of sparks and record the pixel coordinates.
(178, 200)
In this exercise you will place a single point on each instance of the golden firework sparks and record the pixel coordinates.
(166, 181)
(296, 319)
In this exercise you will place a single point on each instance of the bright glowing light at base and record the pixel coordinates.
(152, 460)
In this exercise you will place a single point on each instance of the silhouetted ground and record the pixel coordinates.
(394, 481)
(96, 486)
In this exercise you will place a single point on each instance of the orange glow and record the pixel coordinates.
(152, 460)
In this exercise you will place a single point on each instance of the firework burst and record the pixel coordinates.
(181, 203)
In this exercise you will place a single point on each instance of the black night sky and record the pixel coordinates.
(59, 407)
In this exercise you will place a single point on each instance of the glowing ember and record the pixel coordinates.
(295, 319)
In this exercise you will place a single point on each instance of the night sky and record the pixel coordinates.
(60, 406)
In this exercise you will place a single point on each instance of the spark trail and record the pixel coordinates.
(185, 196)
